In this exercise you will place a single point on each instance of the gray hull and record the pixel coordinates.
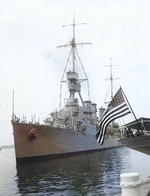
(139, 143)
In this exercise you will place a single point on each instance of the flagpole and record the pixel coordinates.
(131, 109)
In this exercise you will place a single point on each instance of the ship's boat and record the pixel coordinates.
(67, 132)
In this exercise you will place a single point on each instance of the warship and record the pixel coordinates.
(67, 132)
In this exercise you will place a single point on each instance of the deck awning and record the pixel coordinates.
(142, 124)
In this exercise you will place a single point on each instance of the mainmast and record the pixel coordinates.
(72, 76)
(111, 77)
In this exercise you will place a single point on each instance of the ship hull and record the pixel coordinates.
(55, 142)
(136, 141)
(139, 143)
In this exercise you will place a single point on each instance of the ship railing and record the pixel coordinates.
(24, 121)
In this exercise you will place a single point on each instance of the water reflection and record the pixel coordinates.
(92, 174)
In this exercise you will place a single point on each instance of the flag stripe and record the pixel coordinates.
(116, 115)
(116, 109)
(101, 140)
(110, 113)
(109, 119)
(116, 112)
(106, 113)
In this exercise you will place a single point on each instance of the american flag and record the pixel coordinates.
(117, 108)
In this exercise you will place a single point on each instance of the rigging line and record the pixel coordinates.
(84, 73)
(88, 89)
(81, 63)
(107, 92)
(114, 86)
(66, 64)
(60, 94)
(63, 77)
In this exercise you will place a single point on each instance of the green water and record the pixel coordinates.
(92, 174)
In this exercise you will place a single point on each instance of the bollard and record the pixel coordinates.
(129, 184)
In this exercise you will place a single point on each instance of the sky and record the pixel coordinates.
(32, 66)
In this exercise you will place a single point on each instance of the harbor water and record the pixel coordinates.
(92, 174)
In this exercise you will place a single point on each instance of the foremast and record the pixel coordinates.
(72, 76)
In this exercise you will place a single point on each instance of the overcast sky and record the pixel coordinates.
(32, 65)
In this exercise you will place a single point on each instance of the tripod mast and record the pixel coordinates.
(72, 76)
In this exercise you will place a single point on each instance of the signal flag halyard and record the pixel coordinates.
(117, 108)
